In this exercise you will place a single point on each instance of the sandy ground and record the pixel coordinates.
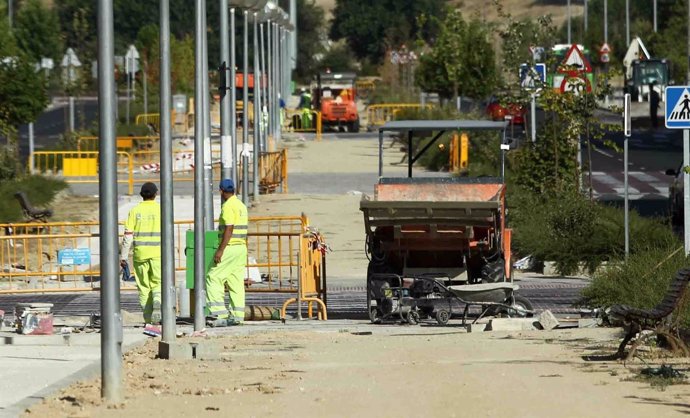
(350, 368)
(397, 371)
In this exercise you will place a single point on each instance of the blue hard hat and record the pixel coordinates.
(227, 185)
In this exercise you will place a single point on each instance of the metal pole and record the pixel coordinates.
(586, 22)
(233, 98)
(293, 36)
(274, 82)
(208, 168)
(262, 88)
(655, 16)
(111, 320)
(226, 150)
(688, 75)
(686, 191)
(127, 79)
(199, 235)
(626, 197)
(31, 138)
(245, 111)
(606, 21)
(627, 22)
(71, 113)
(167, 208)
(146, 92)
(9, 12)
(569, 24)
(269, 79)
(257, 111)
(533, 116)
(380, 153)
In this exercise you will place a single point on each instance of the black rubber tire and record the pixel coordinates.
(374, 315)
(442, 316)
(413, 318)
(523, 303)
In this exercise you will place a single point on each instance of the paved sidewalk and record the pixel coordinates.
(32, 367)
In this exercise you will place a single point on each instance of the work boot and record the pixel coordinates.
(156, 314)
(217, 323)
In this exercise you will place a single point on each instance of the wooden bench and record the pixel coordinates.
(31, 213)
(657, 319)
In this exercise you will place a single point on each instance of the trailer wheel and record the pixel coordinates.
(442, 316)
(413, 318)
(522, 303)
(374, 315)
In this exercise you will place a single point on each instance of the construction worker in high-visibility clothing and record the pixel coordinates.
(143, 229)
(230, 261)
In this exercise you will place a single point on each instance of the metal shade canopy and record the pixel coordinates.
(443, 125)
(439, 126)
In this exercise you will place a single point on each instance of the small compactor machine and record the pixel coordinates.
(438, 245)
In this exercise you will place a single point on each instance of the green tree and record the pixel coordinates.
(461, 62)
(372, 27)
(37, 30)
(22, 98)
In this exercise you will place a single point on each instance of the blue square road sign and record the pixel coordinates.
(677, 108)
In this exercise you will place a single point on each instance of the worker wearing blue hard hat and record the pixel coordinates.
(230, 261)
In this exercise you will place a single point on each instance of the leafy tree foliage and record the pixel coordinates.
(461, 62)
(372, 27)
(37, 31)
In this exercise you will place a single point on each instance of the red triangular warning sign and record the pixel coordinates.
(574, 58)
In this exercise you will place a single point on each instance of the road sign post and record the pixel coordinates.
(627, 130)
(528, 77)
(677, 116)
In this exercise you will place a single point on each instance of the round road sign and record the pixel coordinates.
(574, 84)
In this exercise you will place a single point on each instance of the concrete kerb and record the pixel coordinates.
(87, 372)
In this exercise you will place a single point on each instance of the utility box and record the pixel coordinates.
(211, 245)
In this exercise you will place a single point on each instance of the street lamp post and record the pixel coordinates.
(627, 22)
(111, 319)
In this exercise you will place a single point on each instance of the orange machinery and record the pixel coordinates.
(335, 97)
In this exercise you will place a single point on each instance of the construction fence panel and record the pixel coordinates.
(284, 256)
(80, 166)
(304, 120)
(379, 114)
(123, 143)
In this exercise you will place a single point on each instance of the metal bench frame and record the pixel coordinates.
(658, 319)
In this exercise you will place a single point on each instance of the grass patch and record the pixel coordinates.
(40, 190)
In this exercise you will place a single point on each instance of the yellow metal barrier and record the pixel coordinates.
(300, 121)
(123, 143)
(285, 251)
(459, 149)
(379, 114)
(149, 118)
(273, 166)
(80, 166)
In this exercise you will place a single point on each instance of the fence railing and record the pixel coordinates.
(304, 121)
(284, 256)
(81, 167)
(123, 143)
(379, 114)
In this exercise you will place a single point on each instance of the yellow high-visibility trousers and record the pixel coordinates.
(231, 272)
(148, 277)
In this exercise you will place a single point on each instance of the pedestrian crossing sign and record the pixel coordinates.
(678, 107)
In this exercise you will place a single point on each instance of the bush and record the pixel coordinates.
(641, 282)
(40, 190)
(570, 230)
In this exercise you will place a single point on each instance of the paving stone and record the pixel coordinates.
(175, 350)
(206, 351)
(511, 324)
(547, 320)
(587, 323)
